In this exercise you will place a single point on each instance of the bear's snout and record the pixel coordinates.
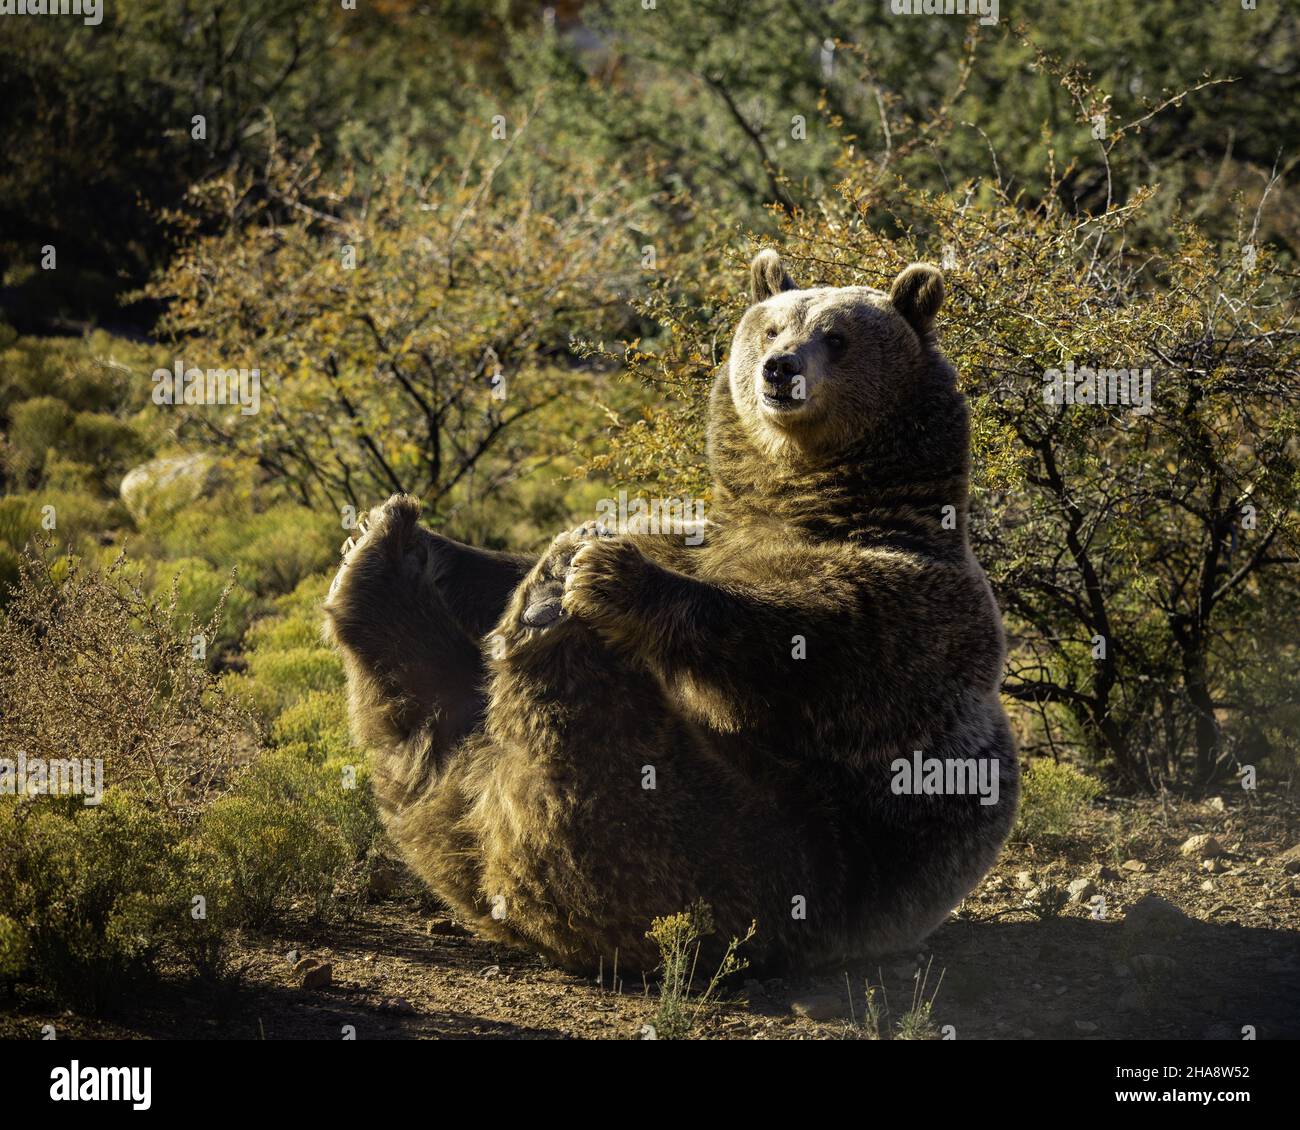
(783, 386)
(781, 369)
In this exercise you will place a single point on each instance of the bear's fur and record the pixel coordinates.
(764, 681)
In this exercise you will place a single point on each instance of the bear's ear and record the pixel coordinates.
(767, 276)
(917, 294)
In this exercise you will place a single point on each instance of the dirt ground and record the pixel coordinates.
(1025, 957)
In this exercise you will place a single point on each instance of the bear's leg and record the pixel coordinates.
(593, 807)
(407, 610)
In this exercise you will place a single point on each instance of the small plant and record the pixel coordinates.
(917, 1023)
(1047, 900)
(1053, 797)
(679, 938)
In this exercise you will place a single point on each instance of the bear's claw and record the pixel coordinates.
(543, 608)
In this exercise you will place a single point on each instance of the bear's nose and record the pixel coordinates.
(781, 368)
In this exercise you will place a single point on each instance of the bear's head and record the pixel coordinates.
(814, 372)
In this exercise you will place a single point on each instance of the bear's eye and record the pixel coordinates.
(771, 332)
(834, 342)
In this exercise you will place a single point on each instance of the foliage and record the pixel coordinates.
(85, 893)
(199, 834)
(91, 666)
(1053, 798)
(679, 939)
(405, 328)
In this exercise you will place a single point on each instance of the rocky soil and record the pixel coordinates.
(1159, 920)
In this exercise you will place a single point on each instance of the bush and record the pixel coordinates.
(274, 550)
(90, 665)
(84, 907)
(275, 679)
(274, 838)
(200, 590)
(106, 443)
(35, 427)
(1053, 799)
(319, 723)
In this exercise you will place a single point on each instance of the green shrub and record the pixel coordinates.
(35, 427)
(199, 588)
(319, 722)
(106, 443)
(78, 519)
(84, 892)
(274, 550)
(13, 948)
(98, 373)
(1053, 798)
(280, 678)
(20, 520)
(274, 838)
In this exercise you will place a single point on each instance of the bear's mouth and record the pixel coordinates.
(781, 399)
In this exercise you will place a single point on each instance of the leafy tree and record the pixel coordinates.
(402, 328)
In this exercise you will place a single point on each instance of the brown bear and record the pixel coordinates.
(784, 721)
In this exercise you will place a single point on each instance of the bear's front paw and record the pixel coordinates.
(545, 586)
(601, 582)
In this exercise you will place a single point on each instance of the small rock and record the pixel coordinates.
(1024, 880)
(1214, 866)
(1129, 1001)
(1215, 804)
(1201, 846)
(397, 1005)
(1081, 890)
(1153, 914)
(318, 976)
(292, 957)
(1290, 860)
(1085, 1026)
(1208, 886)
(824, 1007)
(490, 972)
(442, 926)
(1133, 866)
